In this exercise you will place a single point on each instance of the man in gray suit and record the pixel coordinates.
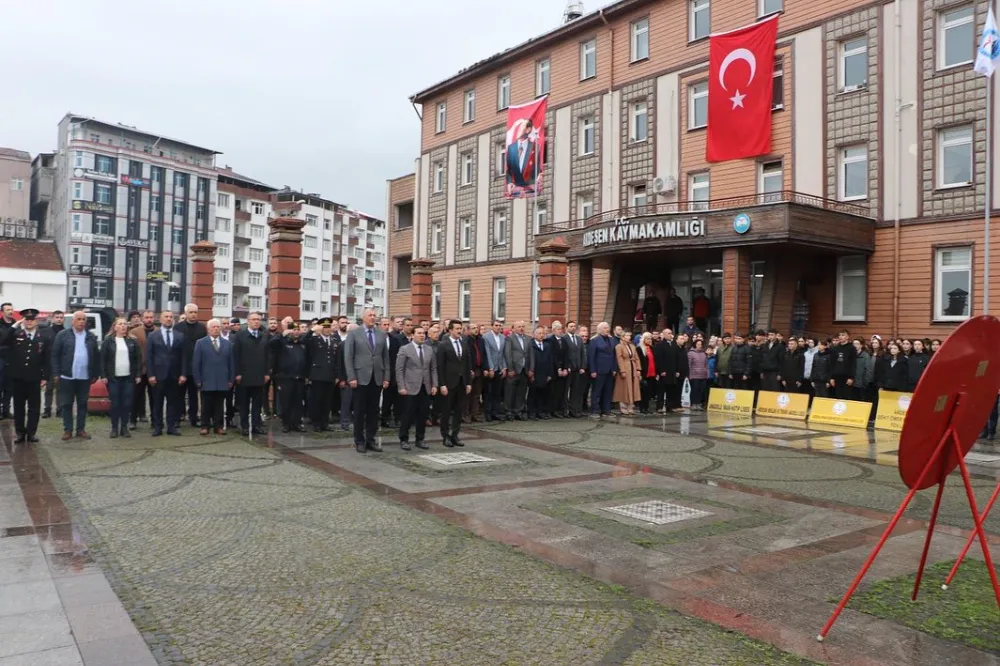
(417, 381)
(516, 355)
(366, 363)
(494, 372)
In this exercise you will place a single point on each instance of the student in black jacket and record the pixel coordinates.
(820, 374)
(739, 363)
(772, 355)
(897, 375)
(756, 361)
(916, 363)
(792, 367)
(843, 357)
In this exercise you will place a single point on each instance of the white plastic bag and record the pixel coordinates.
(686, 393)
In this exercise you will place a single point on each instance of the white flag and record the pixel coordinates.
(989, 47)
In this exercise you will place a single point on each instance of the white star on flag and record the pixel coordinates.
(737, 99)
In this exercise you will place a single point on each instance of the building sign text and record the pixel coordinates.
(627, 231)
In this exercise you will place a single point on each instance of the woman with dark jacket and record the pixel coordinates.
(820, 375)
(120, 371)
(864, 370)
(916, 362)
(897, 375)
(792, 367)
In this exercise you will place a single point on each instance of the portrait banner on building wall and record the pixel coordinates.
(524, 160)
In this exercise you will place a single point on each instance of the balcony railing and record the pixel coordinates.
(243, 215)
(711, 205)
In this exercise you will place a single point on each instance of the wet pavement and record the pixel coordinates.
(551, 542)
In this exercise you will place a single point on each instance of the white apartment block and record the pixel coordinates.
(243, 207)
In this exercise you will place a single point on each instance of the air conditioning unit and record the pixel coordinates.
(665, 185)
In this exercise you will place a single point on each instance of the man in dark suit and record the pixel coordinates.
(476, 345)
(290, 367)
(576, 364)
(253, 363)
(167, 371)
(542, 372)
(214, 373)
(192, 331)
(560, 359)
(455, 376)
(603, 366)
(28, 368)
(495, 370)
(366, 365)
(390, 396)
(323, 359)
(521, 157)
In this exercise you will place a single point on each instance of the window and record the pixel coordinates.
(437, 237)
(442, 116)
(102, 225)
(326, 266)
(436, 301)
(465, 224)
(255, 302)
(771, 179)
(308, 263)
(309, 284)
(700, 17)
(778, 85)
(543, 77)
(309, 241)
(308, 306)
(99, 289)
(500, 228)
(151, 291)
(223, 200)
(327, 245)
(402, 273)
(501, 160)
(640, 39)
(256, 207)
(469, 113)
(77, 222)
(327, 224)
(584, 205)
(637, 199)
(78, 190)
(220, 300)
(952, 283)
(222, 275)
(78, 158)
(74, 254)
(956, 37)
(222, 249)
(587, 138)
(853, 173)
(698, 105)
(156, 174)
(503, 92)
(325, 286)
(152, 262)
(102, 193)
(768, 7)
(154, 231)
(74, 287)
(255, 278)
(954, 156)
(312, 221)
(104, 164)
(438, 176)
(222, 224)
(588, 59)
(852, 285)
(639, 126)
(256, 230)
(467, 169)
(154, 203)
(178, 236)
(854, 64)
(16, 184)
(541, 216)
(178, 207)
(464, 299)
(256, 254)
(176, 265)
(499, 298)
(199, 213)
(699, 189)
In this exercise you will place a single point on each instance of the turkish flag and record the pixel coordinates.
(740, 85)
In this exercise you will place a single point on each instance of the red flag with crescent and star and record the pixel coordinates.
(741, 67)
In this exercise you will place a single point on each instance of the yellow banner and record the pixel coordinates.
(733, 402)
(782, 405)
(850, 413)
(892, 407)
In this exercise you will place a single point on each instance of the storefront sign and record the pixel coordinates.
(782, 405)
(91, 303)
(88, 239)
(157, 276)
(627, 231)
(95, 175)
(741, 223)
(850, 413)
(891, 410)
(80, 269)
(93, 206)
(734, 402)
(133, 181)
(133, 242)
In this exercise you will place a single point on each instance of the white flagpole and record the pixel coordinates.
(989, 195)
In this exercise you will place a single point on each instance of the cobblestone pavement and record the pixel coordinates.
(227, 552)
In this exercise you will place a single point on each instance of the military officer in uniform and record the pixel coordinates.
(323, 354)
(288, 355)
(28, 368)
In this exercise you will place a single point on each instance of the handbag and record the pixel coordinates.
(686, 393)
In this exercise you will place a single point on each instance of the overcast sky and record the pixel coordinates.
(307, 93)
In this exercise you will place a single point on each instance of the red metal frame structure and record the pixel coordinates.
(972, 538)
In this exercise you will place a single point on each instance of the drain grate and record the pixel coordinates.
(657, 512)
(455, 458)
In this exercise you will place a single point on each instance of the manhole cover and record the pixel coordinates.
(455, 458)
(657, 512)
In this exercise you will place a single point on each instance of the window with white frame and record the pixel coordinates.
(327, 224)
(584, 205)
(102, 225)
(78, 158)
(17, 184)
(438, 176)
(587, 135)
(436, 300)
(312, 221)
(503, 92)
(222, 224)
(257, 254)
(180, 179)
(178, 207)
(778, 84)
(74, 253)
(99, 288)
(442, 116)
(77, 222)
(640, 39)
(104, 164)
(74, 287)
(309, 284)
(588, 59)
(176, 265)
(637, 199)
(541, 216)
(952, 283)
(543, 77)
(220, 300)
(327, 245)
(324, 286)
(500, 228)
(255, 302)
(310, 241)
(699, 191)
(177, 236)
(853, 168)
(954, 156)
(465, 232)
(852, 288)
(853, 73)
(467, 169)
(222, 249)
(326, 265)
(255, 279)
(154, 232)
(437, 237)
(152, 262)
(257, 207)
(499, 298)
(469, 113)
(308, 306)
(768, 7)
(78, 190)
(700, 16)
(770, 179)
(698, 105)
(500, 168)
(309, 263)
(956, 42)
(222, 275)
(102, 193)
(223, 200)
(256, 231)
(464, 300)
(150, 291)
(639, 122)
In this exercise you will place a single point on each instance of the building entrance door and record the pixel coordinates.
(700, 289)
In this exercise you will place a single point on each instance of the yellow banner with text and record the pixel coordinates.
(891, 412)
(782, 405)
(734, 402)
(850, 413)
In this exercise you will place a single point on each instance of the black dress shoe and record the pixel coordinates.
(457, 442)
(405, 446)
(174, 432)
(258, 431)
(21, 439)
(245, 433)
(285, 429)
(47, 414)
(447, 443)
(360, 448)
(156, 432)
(34, 439)
(113, 434)
(299, 429)
(126, 432)
(422, 445)
(375, 446)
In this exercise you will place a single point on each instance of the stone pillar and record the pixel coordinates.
(553, 269)
(421, 277)
(736, 290)
(283, 289)
(203, 277)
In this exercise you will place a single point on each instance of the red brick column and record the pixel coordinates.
(283, 289)
(203, 277)
(421, 277)
(553, 269)
(735, 290)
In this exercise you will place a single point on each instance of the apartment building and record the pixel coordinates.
(125, 208)
(15, 177)
(400, 194)
(867, 214)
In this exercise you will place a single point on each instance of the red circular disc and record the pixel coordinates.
(957, 389)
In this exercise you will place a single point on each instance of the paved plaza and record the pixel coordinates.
(675, 540)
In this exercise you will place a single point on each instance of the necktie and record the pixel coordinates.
(215, 343)
(458, 348)
(539, 346)
(169, 339)
(420, 354)
(371, 339)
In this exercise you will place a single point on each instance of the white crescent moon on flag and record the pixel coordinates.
(734, 55)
